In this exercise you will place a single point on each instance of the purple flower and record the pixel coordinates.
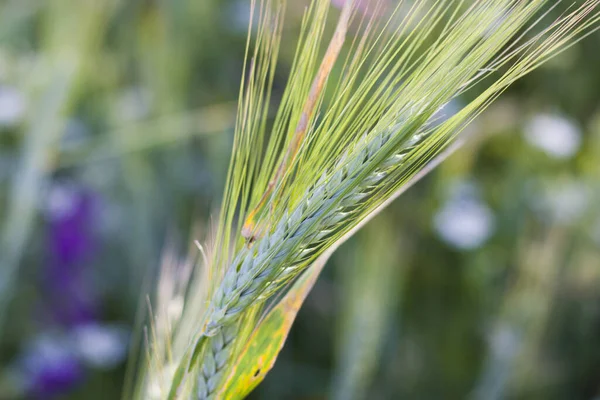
(55, 362)
(50, 367)
(70, 215)
(70, 212)
(57, 378)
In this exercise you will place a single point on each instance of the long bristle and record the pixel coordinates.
(351, 130)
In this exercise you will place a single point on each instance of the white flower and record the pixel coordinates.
(464, 221)
(12, 106)
(555, 135)
(61, 201)
(102, 346)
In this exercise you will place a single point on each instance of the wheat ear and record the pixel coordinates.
(401, 140)
(299, 236)
(277, 257)
(216, 355)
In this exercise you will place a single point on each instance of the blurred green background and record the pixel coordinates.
(116, 123)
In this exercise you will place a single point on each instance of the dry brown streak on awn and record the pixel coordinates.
(249, 231)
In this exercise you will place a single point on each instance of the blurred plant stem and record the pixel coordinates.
(515, 338)
(147, 134)
(369, 298)
(51, 86)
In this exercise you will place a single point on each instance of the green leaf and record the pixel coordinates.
(258, 356)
